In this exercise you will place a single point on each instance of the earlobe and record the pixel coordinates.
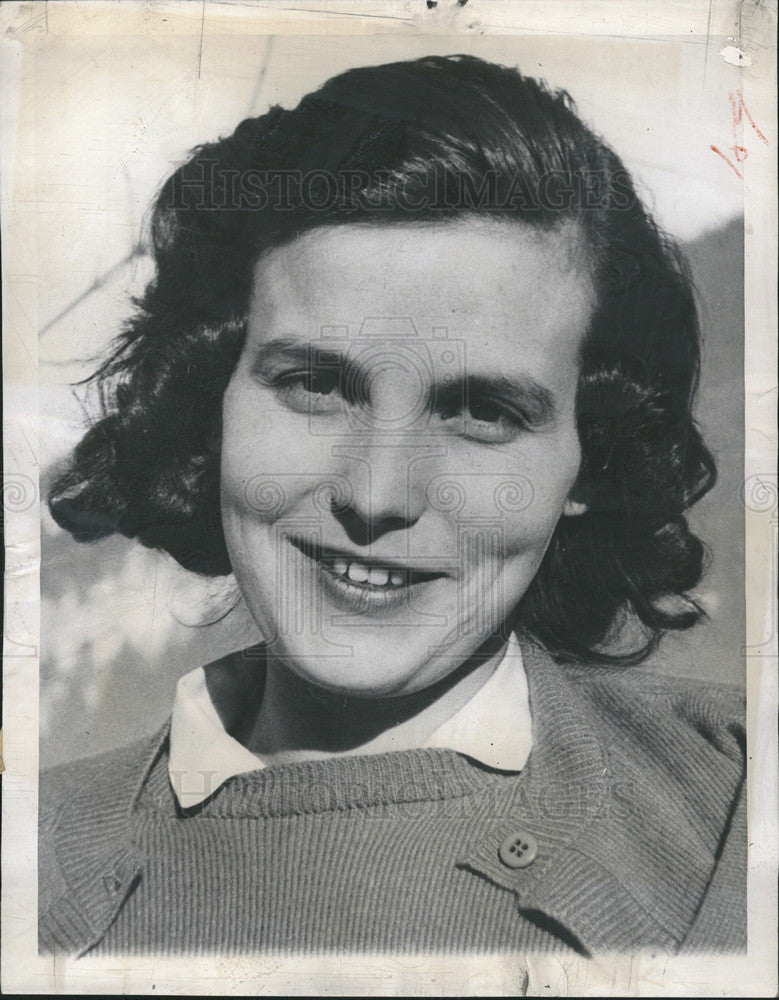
(574, 508)
(214, 441)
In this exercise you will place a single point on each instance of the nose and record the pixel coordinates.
(387, 475)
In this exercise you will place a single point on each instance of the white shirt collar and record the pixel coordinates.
(493, 727)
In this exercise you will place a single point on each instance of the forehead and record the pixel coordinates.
(497, 286)
(474, 250)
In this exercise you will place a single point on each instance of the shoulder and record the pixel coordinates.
(83, 811)
(681, 744)
(656, 707)
(650, 681)
(679, 740)
(108, 776)
(83, 843)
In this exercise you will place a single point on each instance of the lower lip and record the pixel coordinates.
(359, 599)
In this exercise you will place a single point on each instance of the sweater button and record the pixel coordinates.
(518, 850)
(113, 884)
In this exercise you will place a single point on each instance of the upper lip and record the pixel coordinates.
(327, 553)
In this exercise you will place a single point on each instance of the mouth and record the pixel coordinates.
(364, 583)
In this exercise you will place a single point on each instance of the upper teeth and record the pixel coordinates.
(360, 573)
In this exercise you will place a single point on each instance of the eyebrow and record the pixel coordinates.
(287, 349)
(523, 389)
(295, 350)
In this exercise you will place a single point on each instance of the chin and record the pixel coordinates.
(373, 665)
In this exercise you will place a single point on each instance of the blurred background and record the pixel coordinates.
(112, 114)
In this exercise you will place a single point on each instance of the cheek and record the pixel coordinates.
(263, 453)
(524, 505)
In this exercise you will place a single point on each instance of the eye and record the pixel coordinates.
(310, 391)
(319, 383)
(484, 419)
(485, 411)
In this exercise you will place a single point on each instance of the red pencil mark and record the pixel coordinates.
(720, 153)
(739, 108)
(739, 111)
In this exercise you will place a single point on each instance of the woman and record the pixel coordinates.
(418, 368)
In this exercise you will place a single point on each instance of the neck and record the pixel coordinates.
(298, 721)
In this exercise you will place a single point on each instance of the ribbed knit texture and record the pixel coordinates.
(359, 854)
(633, 792)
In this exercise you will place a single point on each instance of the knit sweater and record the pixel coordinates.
(625, 829)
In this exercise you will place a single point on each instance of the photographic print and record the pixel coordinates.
(390, 514)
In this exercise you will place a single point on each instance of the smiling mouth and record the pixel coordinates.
(366, 575)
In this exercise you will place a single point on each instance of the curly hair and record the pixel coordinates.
(430, 139)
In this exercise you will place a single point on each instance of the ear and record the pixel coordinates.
(574, 506)
(214, 441)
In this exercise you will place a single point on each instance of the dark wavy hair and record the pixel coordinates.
(431, 139)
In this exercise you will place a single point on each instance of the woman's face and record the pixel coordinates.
(399, 442)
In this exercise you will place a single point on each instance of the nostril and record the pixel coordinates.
(363, 529)
(384, 495)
